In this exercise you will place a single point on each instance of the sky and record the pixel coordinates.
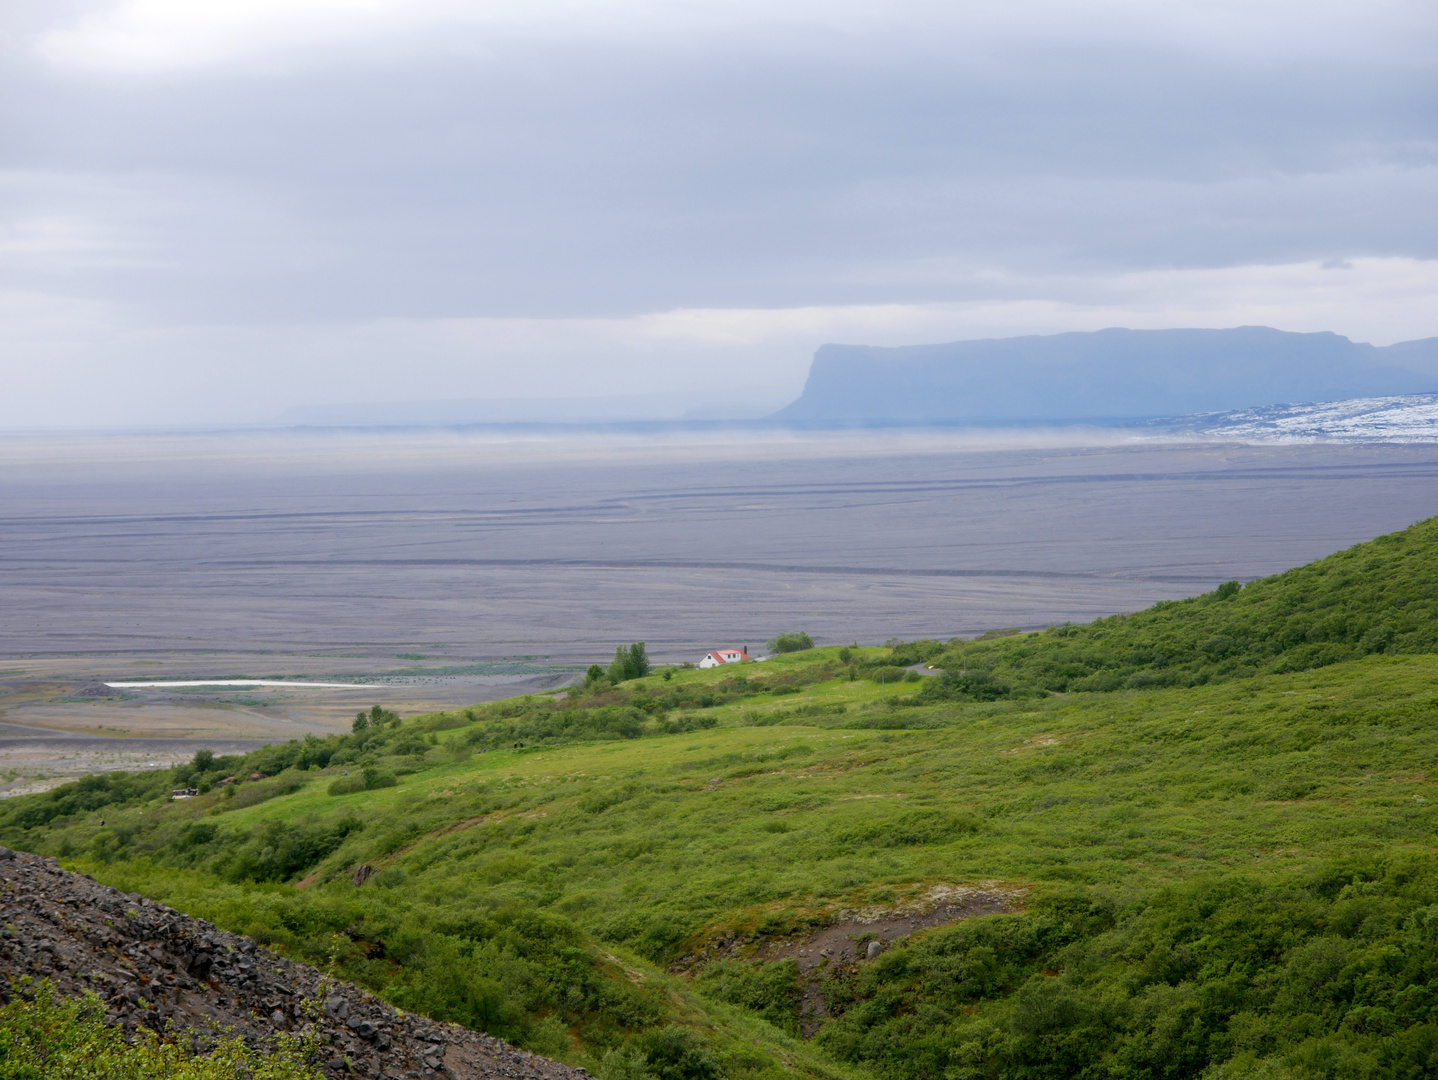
(235, 211)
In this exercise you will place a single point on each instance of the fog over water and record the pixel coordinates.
(466, 546)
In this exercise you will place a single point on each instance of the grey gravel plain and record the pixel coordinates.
(430, 557)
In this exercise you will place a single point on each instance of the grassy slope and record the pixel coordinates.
(1378, 597)
(1163, 782)
(543, 892)
(636, 845)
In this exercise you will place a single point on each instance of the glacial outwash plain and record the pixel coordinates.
(1196, 840)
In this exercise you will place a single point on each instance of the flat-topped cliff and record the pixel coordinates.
(1105, 375)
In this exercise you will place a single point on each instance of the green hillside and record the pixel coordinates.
(1375, 598)
(1231, 876)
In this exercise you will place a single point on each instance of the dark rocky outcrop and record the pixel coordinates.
(158, 967)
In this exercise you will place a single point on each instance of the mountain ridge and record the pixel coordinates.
(1105, 375)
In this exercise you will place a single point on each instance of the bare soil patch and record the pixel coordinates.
(848, 938)
(854, 935)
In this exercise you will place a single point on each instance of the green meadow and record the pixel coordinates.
(1220, 855)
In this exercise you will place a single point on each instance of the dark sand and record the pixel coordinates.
(332, 556)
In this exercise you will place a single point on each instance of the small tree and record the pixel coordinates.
(361, 722)
(204, 760)
(618, 664)
(630, 662)
(791, 643)
(638, 661)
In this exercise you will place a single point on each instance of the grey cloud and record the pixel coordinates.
(461, 172)
(557, 178)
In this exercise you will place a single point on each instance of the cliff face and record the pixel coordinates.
(155, 966)
(1105, 375)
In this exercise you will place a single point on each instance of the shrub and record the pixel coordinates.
(771, 990)
(630, 662)
(915, 652)
(675, 1053)
(347, 785)
(964, 686)
(887, 674)
(784, 643)
(254, 794)
(378, 778)
(1376, 597)
(44, 1036)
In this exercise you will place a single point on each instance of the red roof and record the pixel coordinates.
(724, 655)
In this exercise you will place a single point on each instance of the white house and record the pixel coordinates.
(724, 656)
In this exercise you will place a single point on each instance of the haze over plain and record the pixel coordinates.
(215, 213)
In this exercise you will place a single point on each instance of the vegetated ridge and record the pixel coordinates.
(1379, 597)
(1226, 870)
(1105, 375)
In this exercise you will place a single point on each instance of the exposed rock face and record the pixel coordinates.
(153, 965)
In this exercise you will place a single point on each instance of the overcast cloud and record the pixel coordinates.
(214, 212)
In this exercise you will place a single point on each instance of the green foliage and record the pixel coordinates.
(256, 793)
(886, 674)
(377, 717)
(375, 778)
(770, 990)
(913, 652)
(1378, 597)
(630, 662)
(1280, 978)
(794, 642)
(674, 1053)
(44, 1036)
(523, 870)
(275, 851)
(87, 794)
(1234, 878)
(964, 686)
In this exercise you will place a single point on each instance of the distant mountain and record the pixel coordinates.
(1106, 375)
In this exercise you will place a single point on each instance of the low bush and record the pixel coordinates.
(1327, 976)
(795, 642)
(378, 778)
(771, 990)
(1376, 597)
(44, 1036)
